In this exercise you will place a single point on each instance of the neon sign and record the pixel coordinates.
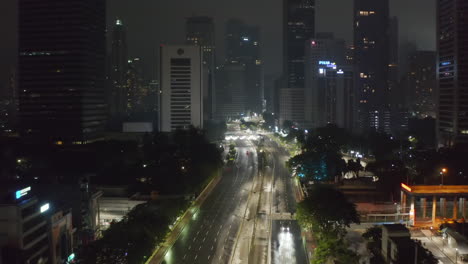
(324, 62)
(45, 207)
(22, 192)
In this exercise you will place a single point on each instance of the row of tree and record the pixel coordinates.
(134, 238)
(327, 213)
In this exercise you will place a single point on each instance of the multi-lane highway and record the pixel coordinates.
(211, 234)
(239, 222)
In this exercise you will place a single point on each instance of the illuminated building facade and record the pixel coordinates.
(118, 93)
(299, 26)
(452, 71)
(62, 70)
(24, 230)
(243, 47)
(200, 31)
(371, 57)
(181, 87)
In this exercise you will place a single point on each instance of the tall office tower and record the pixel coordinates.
(62, 70)
(371, 43)
(322, 52)
(200, 31)
(181, 87)
(299, 26)
(118, 93)
(335, 97)
(452, 71)
(243, 46)
(135, 88)
(421, 83)
(232, 99)
(291, 106)
(393, 66)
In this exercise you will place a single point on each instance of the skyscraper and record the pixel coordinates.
(181, 86)
(200, 32)
(329, 89)
(243, 46)
(61, 70)
(371, 47)
(118, 92)
(299, 26)
(452, 71)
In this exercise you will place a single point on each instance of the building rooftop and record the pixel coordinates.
(434, 189)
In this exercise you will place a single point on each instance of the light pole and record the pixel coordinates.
(456, 255)
(442, 172)
(431, 233)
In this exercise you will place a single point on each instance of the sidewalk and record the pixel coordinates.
(438, 247)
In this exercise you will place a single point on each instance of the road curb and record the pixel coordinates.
(153, 259)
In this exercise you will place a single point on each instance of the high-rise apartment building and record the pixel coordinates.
(299, 26)
(452, 71)
(200, 31)
(118, 91)
(181, 87)
(62, 70)
(371, 49)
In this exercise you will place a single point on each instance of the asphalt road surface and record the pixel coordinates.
(210, 236)
(287, 243)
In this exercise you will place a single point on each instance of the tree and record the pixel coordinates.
(326, 211)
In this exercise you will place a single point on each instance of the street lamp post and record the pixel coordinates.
(456, 255)
(431, 233)
(442, 172)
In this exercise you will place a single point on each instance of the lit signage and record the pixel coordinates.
(340, 71)
(324, 62)
(22, 192)
(445, 63)
(321, 71)
(245, 39)
(406, 187)
(71, 257)
(45, 207)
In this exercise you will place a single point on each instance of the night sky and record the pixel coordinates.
(152, 22)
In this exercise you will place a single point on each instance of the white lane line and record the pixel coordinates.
(204, 239)
(194, 239)
(199, 248)
(190, 247)
(196, 256)
(212, 247)
(184, 256)
(209, 256)
(220, 257)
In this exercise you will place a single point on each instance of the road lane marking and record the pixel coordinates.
(209, 256)
(199, 248)
(184, 256)
(196, 256)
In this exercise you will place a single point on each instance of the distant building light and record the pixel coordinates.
(45, 207)
(22, 192)
(314, 43)
(71, 257)
(245, 38)
(118, 22)
(340, 71)
(445, 63)
(321, 71)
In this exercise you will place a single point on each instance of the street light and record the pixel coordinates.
(431, 233)
(442, 172)
(456, 255)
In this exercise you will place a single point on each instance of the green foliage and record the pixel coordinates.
(326, 211)
(136, 236)
(321, 158)
(373, 236)
(330, 248)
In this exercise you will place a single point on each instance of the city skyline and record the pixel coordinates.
(144, 41)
